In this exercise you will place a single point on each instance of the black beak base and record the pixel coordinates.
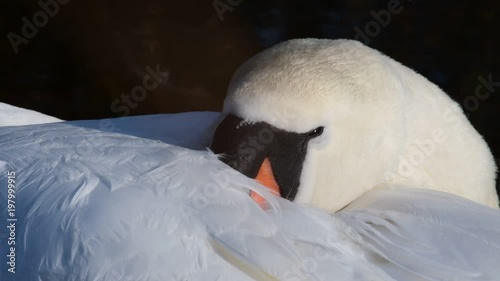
(244, 146)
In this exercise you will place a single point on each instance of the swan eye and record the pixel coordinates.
(316, 132)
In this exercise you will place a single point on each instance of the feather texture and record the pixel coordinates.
(92, 204)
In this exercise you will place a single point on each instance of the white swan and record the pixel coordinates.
(383, 124)
(138, 203)
(124, 205)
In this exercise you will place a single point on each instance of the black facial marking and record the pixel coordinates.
(245, 146)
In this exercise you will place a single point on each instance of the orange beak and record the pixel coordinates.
(266, 178)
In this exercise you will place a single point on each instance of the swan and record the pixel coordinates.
(333, 119)
(145, 200)
(94, 205)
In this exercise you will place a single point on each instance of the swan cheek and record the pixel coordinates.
(308, 175)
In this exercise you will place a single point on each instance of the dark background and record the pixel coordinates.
(91, 52)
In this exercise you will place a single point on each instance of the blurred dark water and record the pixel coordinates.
(90, 52)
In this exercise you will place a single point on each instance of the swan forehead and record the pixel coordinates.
(297, 85)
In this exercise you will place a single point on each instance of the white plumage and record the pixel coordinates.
(129, 205)
(383, 122)
(15, 116)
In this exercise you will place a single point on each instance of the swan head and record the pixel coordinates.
(318, 121)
